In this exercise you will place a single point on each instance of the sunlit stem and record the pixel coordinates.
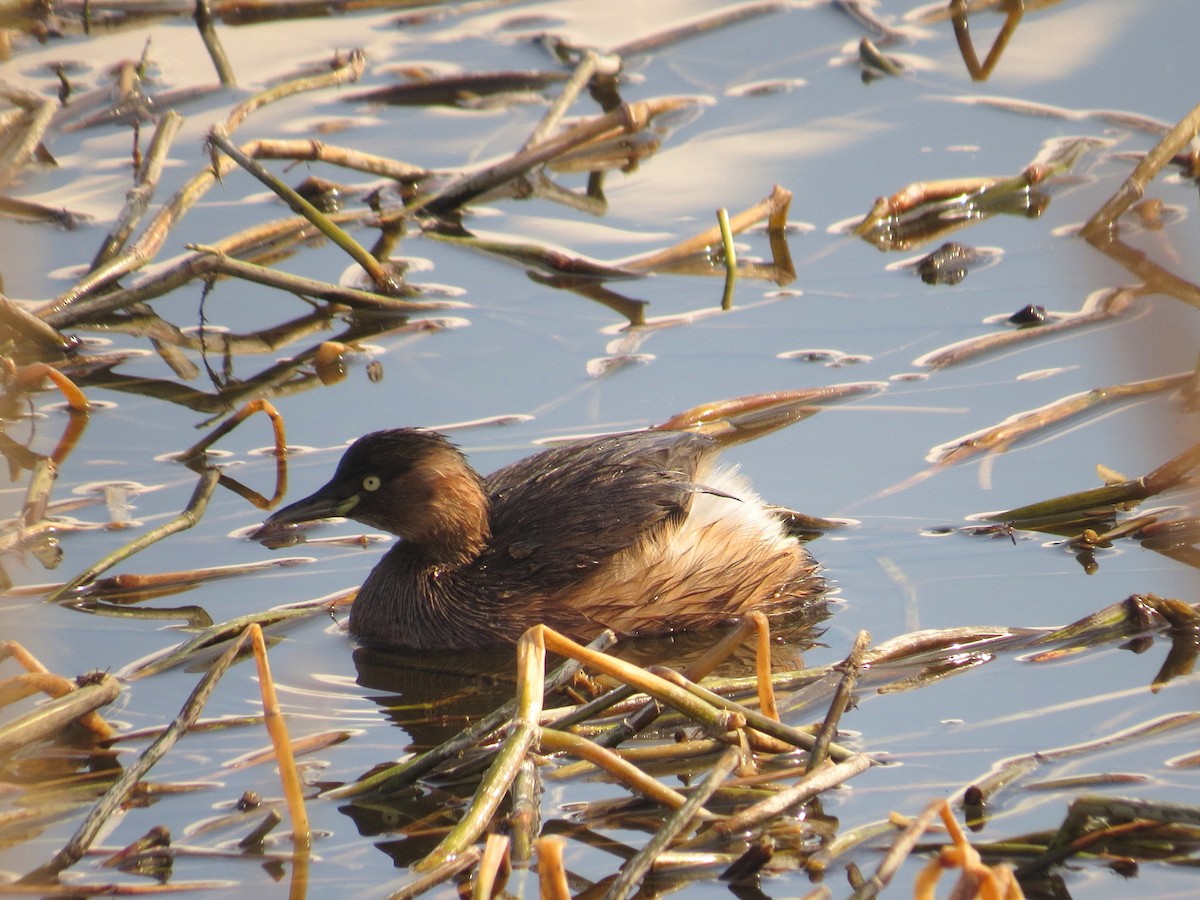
(531, 668)
(185, 520)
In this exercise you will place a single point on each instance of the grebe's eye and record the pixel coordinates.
(371, 483)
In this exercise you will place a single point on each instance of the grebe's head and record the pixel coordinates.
(413, 483)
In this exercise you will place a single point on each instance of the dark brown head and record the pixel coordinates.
(413, 483)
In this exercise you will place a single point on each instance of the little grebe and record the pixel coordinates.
(640, 532)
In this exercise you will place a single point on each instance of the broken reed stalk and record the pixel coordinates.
(841, 699)
(310, 287)
(212, 43)
(634, 869)
(137, 198)
(377, 272)
(762, 660)
(897, 854)
(1000, 437)
(36, 338)
(311, 150)
(1101, 228)
(168, 582)
(1101, 306)
(197, 505)
(185, 520)
(525, 816)
(700, 668)
(75, 398)
(774, 209)
(625, 119)
(793, 737)
(209, 261)
(204, 642)
(39, 111)
(245, 412)
(579, 79)
(412, 769)
(120, 790)
(493, 864)
(661, 687)
(72, 704)
(828, 775)
(293, 793)
(555, 741)
(552, 876)
(436, 876)
(531, 674)
(702, 24)
(37, 496)
(255, 837)
(730, 254)
(58, 312)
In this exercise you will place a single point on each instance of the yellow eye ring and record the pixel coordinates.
(371, 483)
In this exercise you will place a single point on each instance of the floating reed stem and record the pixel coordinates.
(277, 729)
(378, 273)
(437, 875)
(74, 704)
(554, 741)
(411, 769)
(899, 851)
(212, 43)
(120, 790)
(185, 520)
(531, 675)
(841, 699)
(138, 198)
(58, 312)
(634, 869)
(552, 877)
